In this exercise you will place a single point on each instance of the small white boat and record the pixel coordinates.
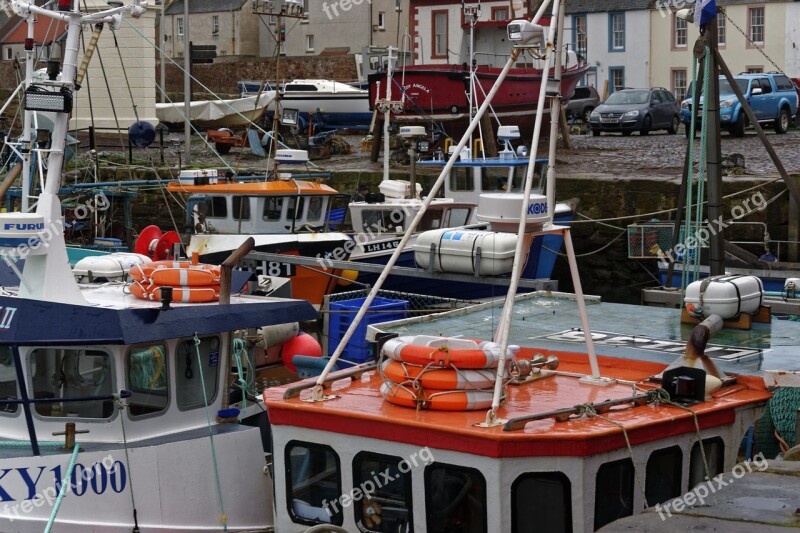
(217, 113)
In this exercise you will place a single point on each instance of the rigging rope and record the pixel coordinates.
(63, 489)
(121, 406)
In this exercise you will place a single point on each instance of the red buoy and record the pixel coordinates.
(302, 344)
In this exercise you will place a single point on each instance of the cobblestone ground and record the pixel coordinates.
(660, 154)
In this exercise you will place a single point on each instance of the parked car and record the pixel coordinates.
(642, 110)
(582, 103)
(772, 97)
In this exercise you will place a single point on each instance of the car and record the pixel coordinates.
(642, 110)
(582, 103)
(772, 97)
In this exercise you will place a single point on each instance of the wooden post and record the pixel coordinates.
(489, 141)
(227, 266)
(564, 127)
(377, 138)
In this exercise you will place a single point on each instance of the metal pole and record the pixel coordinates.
(187, 83)
(163, 69)
(713, 154)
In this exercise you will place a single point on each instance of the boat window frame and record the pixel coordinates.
(280, 212)
(320, 200)
(716, 462)
(566, 484)
(5, 410)
(28, 360)
(601, 503)
(358, 483)
(457, 174)
(132, 389)
(211, 212)
(676, 483)
(180, 374)
(336, 518)
(429, 505)
(246, 212)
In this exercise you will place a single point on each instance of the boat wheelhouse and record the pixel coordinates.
(286, 216)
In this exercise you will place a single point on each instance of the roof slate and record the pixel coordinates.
(204, 6)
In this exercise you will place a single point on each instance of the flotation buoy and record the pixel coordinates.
(438, 400)
(179, 294)
(171, 273)
(437, 378)
(445, 352)
(301, 344)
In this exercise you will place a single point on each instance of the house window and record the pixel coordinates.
(381, 20)
(579, 34)
(755, 21)
(215, 25)
(616, 29)
(195, 366)
(714, 450)
(313, 483)
(721, 35)
(439, 34)
(616, 78)
(663, 477)
(180, 26)
(681, 32)
(147, 379)
(613, 497)
(543, 499)
(454, 495)
(309, 43)
(9, 53)
(394, 495)
(679, 78)
(305, 8)
(8, 380)
(499, 13)
(754, 69)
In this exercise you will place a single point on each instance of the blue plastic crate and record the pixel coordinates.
(342, 315)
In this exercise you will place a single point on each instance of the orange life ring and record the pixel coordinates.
(445, 352)
(438, 378)
(181, 273)
(454, 400)
(179, 294)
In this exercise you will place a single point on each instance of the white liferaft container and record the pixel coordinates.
(456, 251)
(108, 267)
(398, 189)
(726, 296)
(501, 210)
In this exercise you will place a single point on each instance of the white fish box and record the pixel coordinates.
(200, 176)
(108, 267)
(398, 189)
(726, 296)
(457, 250)
(501, 211)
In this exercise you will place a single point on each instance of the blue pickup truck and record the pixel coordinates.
(771, 96)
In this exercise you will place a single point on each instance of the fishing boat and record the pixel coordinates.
(459, 429)
(119, 411)
(223, 113)
(327, 103)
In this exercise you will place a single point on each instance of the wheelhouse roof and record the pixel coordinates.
(262, 188)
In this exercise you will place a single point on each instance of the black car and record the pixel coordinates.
(642, 110)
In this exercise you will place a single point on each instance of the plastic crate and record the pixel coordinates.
(342, 315)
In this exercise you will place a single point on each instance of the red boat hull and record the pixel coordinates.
(440, 93)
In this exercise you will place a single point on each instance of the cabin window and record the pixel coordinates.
(72, 373)
(8, 380)
(313, 484)
(613, 497)
(377, 221)
(455, 498)
(495, 179)
(314, 209)
(461, 180)
(714, 450)
(218, 207)
(663, 481)
(458, 216)
(273, 207)
(432, 219)
(147, 379)
(295, 209)
(192, 370)
(241, 208)
(543, 499)
(389, 487)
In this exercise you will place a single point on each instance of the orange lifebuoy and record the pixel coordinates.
(438, 378)
(179, 294)
(181, 273)
(454, 400)
(445, 352)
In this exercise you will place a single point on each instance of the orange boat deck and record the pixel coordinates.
(359, 409)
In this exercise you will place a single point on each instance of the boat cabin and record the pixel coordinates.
(255, 208)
